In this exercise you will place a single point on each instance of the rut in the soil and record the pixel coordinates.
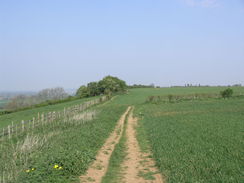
(138, 167)
(99, 167)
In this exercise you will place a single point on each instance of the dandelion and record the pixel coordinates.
(60, 168)
(33, 169)
(27, 171)
(55, 166)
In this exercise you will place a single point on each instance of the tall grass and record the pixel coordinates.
(70, 143)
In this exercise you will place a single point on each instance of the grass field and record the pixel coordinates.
(16, 117)
(191, 141)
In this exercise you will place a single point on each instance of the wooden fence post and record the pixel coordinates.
(42, 119)
(3, 132)
(16, 129)
(38, 117)
(9, 132)
(23, 125)
(12, 126)
(54, 115)
(33, 122)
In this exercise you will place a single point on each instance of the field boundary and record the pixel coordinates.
(46, 118)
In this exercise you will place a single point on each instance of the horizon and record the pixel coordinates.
(70, 90)
(68, 44)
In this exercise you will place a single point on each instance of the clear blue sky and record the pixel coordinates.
(68, 43)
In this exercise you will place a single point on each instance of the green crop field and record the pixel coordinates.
(199, 141)
(191, 141)
(16, 117)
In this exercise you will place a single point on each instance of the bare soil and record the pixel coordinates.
(138, 166)
(99, 167)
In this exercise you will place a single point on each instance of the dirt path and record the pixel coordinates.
(99, 167)
(138, 167)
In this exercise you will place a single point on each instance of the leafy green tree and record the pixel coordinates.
(93, 89)
(110, 84)
(227, 93)
(82, 92)
(107, 85)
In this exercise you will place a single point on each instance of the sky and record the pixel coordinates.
(68, 43)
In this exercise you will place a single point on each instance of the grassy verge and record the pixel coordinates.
(16, 117)
(58, 154)
(141, 136)
(114, 173)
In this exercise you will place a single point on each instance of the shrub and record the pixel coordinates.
(227, 93)
(108, 85)
(170, 97)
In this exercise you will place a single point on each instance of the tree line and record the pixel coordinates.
(107, 86)
(42, 97)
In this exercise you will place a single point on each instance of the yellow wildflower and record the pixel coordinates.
(60, 168)
(55, 166)
(27, 171)
(33, 169)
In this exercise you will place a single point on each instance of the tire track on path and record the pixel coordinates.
(99, 167)
(138, 167)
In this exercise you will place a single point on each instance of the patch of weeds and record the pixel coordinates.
(147, 175)
(99, 167)
(90, 179)
(118, 130)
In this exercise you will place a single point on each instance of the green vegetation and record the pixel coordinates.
(44, 97)
(191, 140)
(16, 117)
(179, 98)
(107, 85)
(71, 146)
(42, 104)
(141, 86)
(227, 93)
(147, 175)
(114, 172)
(195, 141)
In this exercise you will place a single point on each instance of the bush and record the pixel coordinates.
(227, 93)
(107, 86)
(170, 97)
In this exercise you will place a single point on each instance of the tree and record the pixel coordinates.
(227, 93)
(93, 89)
(22, 101)
(110, 84)
(82, 92)
(107, 85)
(52, 94)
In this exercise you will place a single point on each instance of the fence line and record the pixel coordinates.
(49, 117)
